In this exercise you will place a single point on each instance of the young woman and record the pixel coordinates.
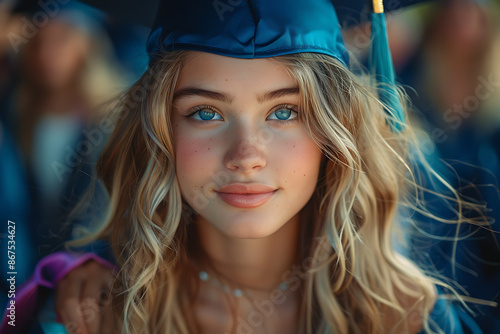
(259, 126)
(253, 195)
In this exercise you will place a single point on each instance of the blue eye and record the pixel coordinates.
(205, 114)
(283, 113)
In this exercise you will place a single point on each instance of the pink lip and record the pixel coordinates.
(242, 195)
(246, 188)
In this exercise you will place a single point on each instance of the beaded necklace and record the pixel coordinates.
(237, 292)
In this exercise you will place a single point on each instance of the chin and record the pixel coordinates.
(249, 230)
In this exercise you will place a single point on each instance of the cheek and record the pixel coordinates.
(194, 159)
(298, 172)
(188, 153)
(300, 161)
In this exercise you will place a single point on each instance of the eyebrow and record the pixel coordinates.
(190, 91)
(274, 94)
(270, 95)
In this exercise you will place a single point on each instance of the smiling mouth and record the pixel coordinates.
(246, 201)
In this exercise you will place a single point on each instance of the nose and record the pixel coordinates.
(246, 153)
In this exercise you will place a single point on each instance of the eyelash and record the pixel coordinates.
(290, 107)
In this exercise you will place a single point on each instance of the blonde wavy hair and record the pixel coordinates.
(354, 278)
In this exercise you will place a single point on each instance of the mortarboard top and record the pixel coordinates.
(248, 29)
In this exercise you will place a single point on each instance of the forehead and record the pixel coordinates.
(201, 68)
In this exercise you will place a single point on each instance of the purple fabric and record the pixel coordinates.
(48, 273)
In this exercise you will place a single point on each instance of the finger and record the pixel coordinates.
(68, 304)
(62, 291)
(66, 284)
(90, 307)
(107, 320)
(97, 286)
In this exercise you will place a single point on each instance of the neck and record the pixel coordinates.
(259, 264)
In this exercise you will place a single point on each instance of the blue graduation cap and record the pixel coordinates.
(268, 28)
(249, 29)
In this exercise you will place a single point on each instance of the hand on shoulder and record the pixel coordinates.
(83, 299)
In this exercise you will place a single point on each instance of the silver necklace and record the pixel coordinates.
(237, 292)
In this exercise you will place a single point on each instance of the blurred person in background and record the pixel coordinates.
(452, 87)
(51, 130)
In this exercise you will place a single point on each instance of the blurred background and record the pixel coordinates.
(447, 58)
(59, 60)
